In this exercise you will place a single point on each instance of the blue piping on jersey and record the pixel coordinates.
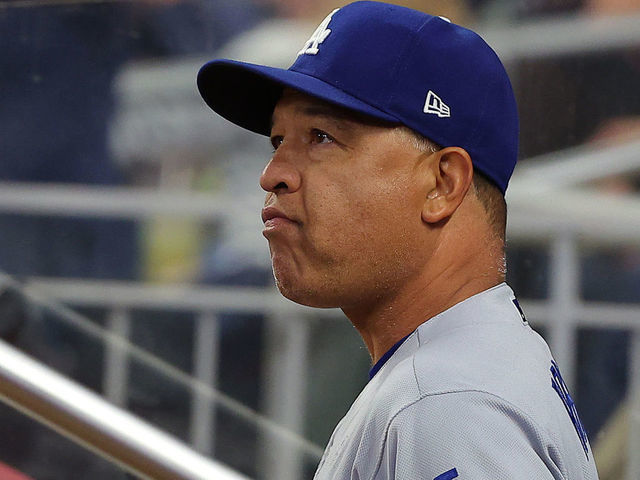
(558, 384)
(383, 359)
(517, 304)
(453, 473)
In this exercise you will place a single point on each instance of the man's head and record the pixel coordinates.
(356, 207)
(367, 204)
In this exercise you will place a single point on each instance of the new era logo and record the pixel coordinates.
(435, 105)
(319, 36)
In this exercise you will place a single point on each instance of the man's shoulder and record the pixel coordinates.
(504, 360)
(482, 343)
(498, 403)
(501, 367)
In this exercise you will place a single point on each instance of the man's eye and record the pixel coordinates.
(319, 136)
(276, 141)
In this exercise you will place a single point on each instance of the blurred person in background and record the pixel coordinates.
(610, 274)
(594, 88)
(585, 98)
(58, 65)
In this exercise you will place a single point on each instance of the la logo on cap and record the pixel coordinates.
(319, 36)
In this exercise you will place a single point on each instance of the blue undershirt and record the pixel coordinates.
(383, 359)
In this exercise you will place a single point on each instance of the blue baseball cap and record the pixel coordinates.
(394, 64)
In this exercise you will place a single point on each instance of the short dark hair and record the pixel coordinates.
(493, 202)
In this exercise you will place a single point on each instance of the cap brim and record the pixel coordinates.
(246, 94)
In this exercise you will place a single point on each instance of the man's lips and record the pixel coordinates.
(272, 217)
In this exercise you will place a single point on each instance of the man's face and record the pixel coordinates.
(353, 194)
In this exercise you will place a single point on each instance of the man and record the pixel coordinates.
(394, 136)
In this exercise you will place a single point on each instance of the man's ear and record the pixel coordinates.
(453, 173)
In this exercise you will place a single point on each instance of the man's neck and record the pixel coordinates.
(383, 322)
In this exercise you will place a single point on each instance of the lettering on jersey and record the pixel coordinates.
(561, 388)
(320, 35)
(448, 475)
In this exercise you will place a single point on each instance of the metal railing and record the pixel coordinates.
(84, 417)
(287, 325)
(283, 393)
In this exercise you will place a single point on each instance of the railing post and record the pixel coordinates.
(116, 365)
(205, 362)
(564, 297)
(284, 386)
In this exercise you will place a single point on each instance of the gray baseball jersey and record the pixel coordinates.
(474, 394)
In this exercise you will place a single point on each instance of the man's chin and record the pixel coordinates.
(307, 296)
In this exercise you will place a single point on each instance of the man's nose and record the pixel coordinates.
(280, 175)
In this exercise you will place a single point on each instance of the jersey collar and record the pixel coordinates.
(498, 300)
(383, 359)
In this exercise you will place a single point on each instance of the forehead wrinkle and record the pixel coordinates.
(341, 119)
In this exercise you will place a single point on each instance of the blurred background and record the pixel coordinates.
(131, 259)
